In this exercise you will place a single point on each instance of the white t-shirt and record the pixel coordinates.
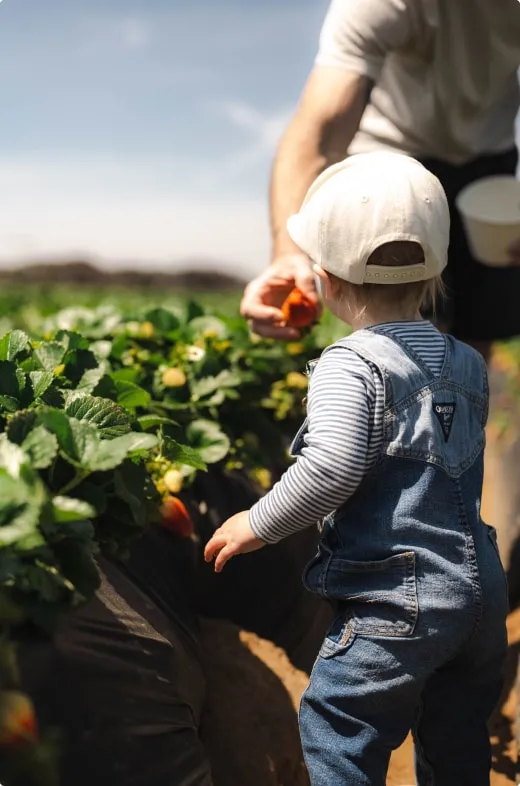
(445, 73)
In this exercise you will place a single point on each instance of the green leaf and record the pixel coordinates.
(69, 509)
(108, 454)
(91, 378)
(74, 436)
(181, 454)
(80, 530)
(9, 385)
(170, 405)
(21, 378)
(20, 509)
(136, 442)
(8, 404)
(132, 396)
(43, 579)
(93, 494)
(208, 440)
(101, 349)
(153, 421)
(163, 320)
(77, 362)
(109, 419)
(50, 355)
(208, 385)
(129, 483)
(41, 382)
(20, 425)
(193, 310)
(71, 340)
(201, 326)
(104, 455)
(12, 344)
(218, 398)
(85, 439)
(41, 446)
(56, 421)
(12, 457)
(126, 375)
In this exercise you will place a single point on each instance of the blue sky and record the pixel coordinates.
(143, 130)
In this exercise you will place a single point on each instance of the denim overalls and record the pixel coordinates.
(418, 641)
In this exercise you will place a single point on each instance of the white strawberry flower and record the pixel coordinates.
(195, 353)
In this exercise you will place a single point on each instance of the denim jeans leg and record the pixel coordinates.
(358, 708)
(451, 733)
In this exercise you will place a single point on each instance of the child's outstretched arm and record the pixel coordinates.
(345, 430)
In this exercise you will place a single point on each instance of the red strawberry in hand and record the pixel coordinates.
(298, 310)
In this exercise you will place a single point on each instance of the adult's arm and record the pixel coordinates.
(319, 134)
(354, 43)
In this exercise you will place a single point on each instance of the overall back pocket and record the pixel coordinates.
(377, 598)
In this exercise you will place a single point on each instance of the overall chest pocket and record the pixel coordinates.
(373, 598)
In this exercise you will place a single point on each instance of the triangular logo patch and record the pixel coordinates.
(445, 412)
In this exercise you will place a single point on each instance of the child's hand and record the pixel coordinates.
(233, 537)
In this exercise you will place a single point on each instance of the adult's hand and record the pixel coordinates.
(264, 296)
(514, 251)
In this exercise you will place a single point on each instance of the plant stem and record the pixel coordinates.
(76, 480)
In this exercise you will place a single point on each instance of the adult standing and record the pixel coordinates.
(434, 79)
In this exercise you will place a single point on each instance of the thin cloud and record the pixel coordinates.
(262, 130)
(134, 33)
(264, 127)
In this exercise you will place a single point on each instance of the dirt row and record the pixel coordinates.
(250, 727)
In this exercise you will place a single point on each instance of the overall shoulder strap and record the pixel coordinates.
(401, 370)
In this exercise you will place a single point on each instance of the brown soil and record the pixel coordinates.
(250, 725)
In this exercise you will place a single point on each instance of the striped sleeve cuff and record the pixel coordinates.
(259, 523)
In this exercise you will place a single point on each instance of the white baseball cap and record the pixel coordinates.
(368, 200)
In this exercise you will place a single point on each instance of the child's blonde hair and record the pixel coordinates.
(415, 296)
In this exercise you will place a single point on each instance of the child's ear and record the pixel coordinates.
(327, 285)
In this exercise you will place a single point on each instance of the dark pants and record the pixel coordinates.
(482, 302)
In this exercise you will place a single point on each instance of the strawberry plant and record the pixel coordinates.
(105, 417)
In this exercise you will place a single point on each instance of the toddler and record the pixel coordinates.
(389, 462)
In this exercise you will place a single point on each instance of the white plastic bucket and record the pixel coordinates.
(490, 209)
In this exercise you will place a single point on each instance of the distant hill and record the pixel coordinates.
(192, 277)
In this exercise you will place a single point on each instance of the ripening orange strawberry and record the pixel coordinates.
(18, 725)
(176, 518)
(298, 310)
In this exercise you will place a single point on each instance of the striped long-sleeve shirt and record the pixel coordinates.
(345, 432)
